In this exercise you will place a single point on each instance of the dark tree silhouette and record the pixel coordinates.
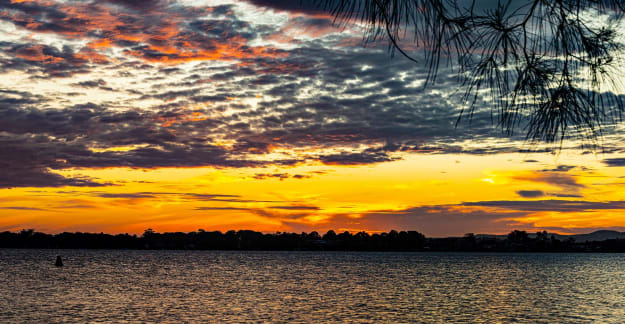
(549, 66)
(516, 241)
(518, 236)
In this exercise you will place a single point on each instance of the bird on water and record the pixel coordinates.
(59, 261)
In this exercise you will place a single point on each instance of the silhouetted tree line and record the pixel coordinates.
(516, 241)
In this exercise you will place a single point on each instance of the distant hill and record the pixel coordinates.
(599, 236)
(596, 236)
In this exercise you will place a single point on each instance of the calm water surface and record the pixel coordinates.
(305, 287)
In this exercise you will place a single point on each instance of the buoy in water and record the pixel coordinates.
(59, 261)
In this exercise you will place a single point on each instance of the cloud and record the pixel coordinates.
(309, 7)
(430, 220)
(126, 195)
(222, 208)
(157, 33)
(280, 176)
(549, 205)
(565, 195)
(560, 168)
(41, 178)
(559, 179)
(614, 162)
(98, 84)
(140, 4)
(22, 168)
(243, 102)
(22, 208)
(530, 193)
(49, 61)
(540, 193)
(282, 213)
(296, 207)
(365, 157)
(174, 136)
(180, 195)
(457, 219)
(209, 196)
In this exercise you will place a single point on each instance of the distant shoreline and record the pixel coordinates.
(321, 251)
(393, 241)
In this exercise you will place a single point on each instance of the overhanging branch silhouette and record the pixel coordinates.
(550, 67)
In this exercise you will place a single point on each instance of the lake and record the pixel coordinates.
(304, 287)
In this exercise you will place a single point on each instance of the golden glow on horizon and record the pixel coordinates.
(118, 148)
(321, 197)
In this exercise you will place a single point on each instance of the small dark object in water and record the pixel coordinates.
(59, 261)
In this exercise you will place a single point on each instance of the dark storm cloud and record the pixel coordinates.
(305, 6)
(39, 176)
(29, 167)
(565, 181)
(614, 162)
(140, 4)
(68, 122)
(560, 168)
(530, 193)
(322, 6)
(540, 193)
(366, 157)
(169, 156)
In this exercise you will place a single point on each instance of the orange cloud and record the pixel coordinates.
(100, 43)
(183, 118)
(160, 40)
(35, 53)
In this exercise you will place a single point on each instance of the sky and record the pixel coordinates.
(177, 115)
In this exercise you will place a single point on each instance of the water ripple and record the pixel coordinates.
(305, 287)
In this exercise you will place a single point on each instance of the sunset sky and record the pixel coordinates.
(122, 115)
